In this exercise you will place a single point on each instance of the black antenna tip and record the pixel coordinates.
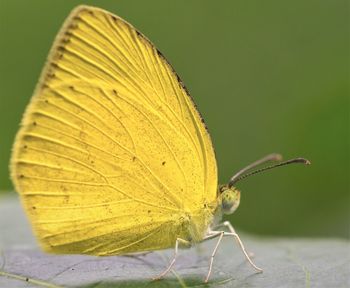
(301, 160)
(239, 176)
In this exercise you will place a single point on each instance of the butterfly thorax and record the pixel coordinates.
(196, 224)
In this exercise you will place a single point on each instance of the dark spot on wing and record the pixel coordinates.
(73, 26)
(66, 40)
(61, 48)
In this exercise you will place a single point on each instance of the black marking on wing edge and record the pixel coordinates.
(160, 54)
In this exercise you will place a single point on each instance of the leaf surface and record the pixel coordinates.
(286, 262)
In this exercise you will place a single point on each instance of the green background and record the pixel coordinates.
(267, 76)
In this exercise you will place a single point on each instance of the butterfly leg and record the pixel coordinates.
(233, 233)
(178, 241)
(229, 226)
(211, 235)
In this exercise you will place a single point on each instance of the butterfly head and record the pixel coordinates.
(229, 198)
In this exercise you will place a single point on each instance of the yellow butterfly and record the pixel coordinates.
(112, 156)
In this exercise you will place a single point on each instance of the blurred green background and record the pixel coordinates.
(268, 76)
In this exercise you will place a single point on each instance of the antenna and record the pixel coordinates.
(272, 157)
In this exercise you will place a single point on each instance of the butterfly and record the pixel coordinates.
(112, 156)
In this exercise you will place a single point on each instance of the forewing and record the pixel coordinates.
(111, 143)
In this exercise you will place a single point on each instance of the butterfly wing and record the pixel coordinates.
(111, 147)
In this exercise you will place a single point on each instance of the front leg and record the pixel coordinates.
(225, 224)
(214, 234)
(229, 226)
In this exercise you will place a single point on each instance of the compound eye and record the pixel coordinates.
(229, 200)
